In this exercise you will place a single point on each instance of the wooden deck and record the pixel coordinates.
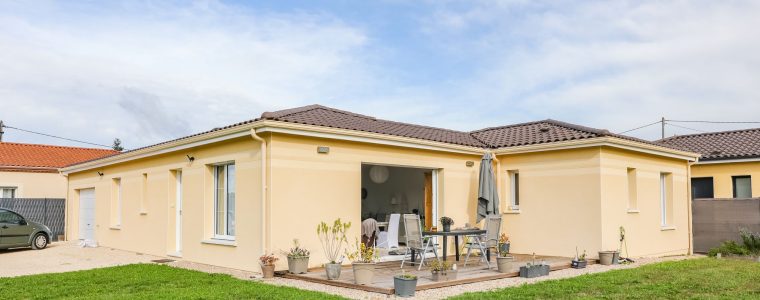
(474, 272)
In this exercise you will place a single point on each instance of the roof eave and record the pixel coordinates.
(609, 141)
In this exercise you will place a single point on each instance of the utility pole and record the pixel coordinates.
(1, 130)
(663, 127)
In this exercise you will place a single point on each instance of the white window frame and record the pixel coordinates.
(117, 222)
(13, 188)
(225, 222)
(514, 189)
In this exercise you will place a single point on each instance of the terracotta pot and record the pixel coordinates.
(504, 264)
(364, 272)
(298, 265)
(267, 271)
(332, 271)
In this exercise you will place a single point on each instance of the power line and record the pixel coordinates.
(716, 122)
(684, 127)
(55, 136)
(640, 127)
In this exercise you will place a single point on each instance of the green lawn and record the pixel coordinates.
(144, 281)
(703, 278)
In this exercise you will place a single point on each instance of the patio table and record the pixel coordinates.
(456, 234)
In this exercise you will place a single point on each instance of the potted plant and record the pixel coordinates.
(404, 284)
(533, 269)
(504, 260)
(608, 257)
(504, 243)
(267, 264)
(298, 259)
(580, 260)
(363, 261)
(446, 222)
(333, 237)
(442, 270)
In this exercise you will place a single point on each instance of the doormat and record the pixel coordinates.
(162, 261)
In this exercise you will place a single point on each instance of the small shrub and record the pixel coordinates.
(728, 247)
(750, 240)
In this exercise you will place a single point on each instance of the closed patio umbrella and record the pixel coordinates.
(488, 196)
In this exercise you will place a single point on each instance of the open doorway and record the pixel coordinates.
(391, 190)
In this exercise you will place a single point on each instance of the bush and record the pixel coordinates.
(750, 240)
(728, 247)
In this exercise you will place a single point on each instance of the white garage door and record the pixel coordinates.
(87, 214)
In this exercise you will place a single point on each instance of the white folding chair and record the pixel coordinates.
(389, 239)
(415, 241)
(486, 241)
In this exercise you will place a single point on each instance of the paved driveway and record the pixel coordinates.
(64, 257)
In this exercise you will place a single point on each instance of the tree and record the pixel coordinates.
(117, 145)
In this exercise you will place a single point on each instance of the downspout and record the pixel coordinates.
(689, 205)
(263, 153)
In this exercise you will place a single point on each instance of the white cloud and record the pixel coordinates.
(66, 71)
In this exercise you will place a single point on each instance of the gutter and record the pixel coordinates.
(264, 187)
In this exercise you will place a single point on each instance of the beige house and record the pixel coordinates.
(31, 170)
(226, 196)
(730, 164)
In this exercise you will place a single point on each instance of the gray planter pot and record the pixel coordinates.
(504, 264)
(404, 287)
(443, 275)
(298, 265)
(608, 257)
(446, 228)
(333, 271)
(364, 272)
(534, 271)
(578, 264)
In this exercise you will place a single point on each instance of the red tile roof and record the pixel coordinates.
(735, 144)
(45, 158)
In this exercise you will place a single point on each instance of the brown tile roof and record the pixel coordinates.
(735, 144)
(539, 132)
(33, 157)
(329, 117)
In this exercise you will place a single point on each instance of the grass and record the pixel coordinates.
(703, 278)
(145, 281)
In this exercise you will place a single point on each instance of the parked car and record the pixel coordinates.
(16, 231)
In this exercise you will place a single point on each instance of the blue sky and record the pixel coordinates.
(151, 71)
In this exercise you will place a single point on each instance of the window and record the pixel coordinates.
(702, 188)
(224, 201)
(8, 192)
(144, 196)
(742, 186)
(116, 202)
(632, 190)
(666, 199)
(514, 187)
(9, 217)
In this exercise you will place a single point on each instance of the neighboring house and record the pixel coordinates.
(225, 196)
(730, 164)
(31, 170)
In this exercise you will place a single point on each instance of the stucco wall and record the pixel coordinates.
(721, 174)
(153, 232)
(35, 185)
(308, 187)
(644, 233)
(559, 201)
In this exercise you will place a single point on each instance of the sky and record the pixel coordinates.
(149, 71)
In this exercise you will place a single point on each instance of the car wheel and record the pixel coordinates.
(40, 241)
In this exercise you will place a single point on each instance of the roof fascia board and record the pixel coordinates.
(728, 161)
(364, 137)
(598, 142)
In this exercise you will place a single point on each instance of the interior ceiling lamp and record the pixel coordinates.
(379, 174)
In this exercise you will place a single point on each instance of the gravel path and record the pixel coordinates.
(64, 257)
